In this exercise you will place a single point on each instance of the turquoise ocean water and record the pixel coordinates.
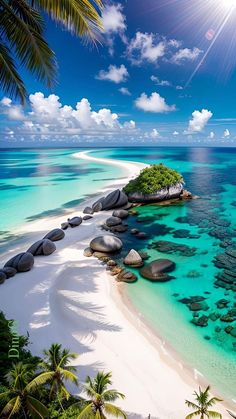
(39, 183)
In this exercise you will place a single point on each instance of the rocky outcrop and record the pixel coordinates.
(22, 262)
(55, 235)
(158, 270)
(126, 276)
(171, 192)
(9, 272)
(115, 199)
(133, 258)
(44, 247)
(107, 243)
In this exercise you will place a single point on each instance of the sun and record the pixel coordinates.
(228, 4)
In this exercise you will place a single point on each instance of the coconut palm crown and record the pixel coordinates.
(202, 406)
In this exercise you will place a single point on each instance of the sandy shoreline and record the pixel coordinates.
(71, 299)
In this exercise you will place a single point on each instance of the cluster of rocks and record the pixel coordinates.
(115, 223)
(168, 247)
(184, 234)
(227, 263)
(115, 199)
(72, 222)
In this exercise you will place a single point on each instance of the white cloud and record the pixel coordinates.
(6, 101)
(226, 133)
(49, 118)
(158, 82)
(175, 133)
(145, 47)
(125, 91)
(179, 87)
(113, 19)
(154, 133)
(154, 103)
(199, 120)
(114, 74)
(186, 54)
(211, 135)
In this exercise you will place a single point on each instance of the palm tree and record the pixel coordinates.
(18, 397)
(100, 397)
(203, 404)
(22, 39)
(56, 370)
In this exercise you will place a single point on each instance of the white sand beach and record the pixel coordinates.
(71, 299)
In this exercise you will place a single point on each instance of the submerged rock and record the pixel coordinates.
(42, 247)
(55, 235)
(22, 262)
(158, 270)
(107, 243)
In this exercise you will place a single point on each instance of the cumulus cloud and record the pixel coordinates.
(6, 101)
(158, 82)
(145, 47)
(199, 120)
(154, 133)
(226, 133)
(125, 91)
(175, 133)
(114, 74)
(211, 135)
(154, 103)
(113, 19)
(47, 117)
(186, 54)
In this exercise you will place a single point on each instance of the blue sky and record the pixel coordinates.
(165, 73)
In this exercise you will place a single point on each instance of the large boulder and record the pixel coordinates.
(133, 259)
(42, 247)
(113, 221)
(158, 270)
(9, 272)
(75, 221)
(163, 194)
(115, 199)
(22, 262)
(88, 210)
(55, 235)
(3, 277)
(107, 243)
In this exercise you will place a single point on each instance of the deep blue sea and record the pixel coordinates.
(41, 183)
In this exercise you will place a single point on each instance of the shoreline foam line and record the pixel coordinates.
(71, 299)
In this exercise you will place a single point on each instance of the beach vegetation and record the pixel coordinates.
(152, 179)
(100, 398)
(23, 42)
(202, 405)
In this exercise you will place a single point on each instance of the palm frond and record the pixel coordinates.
(87, 412)
(29, 15)
(12, 407)
(41, 379)
(31, 48)
(68, 375)
(212, 414)
(191, 404)
(112, 410)
(10, 80)
(81, 17)
(36, 408)
(112, 395)
(192, 415)
(213, 401)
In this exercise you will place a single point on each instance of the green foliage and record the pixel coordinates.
(6, 338)
(71, 408)
(202, 405)
(152, 179)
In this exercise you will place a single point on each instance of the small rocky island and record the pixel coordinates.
(155, 183)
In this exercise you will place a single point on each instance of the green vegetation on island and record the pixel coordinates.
(152, 179)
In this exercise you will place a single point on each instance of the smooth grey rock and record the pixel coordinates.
(134, 231)
(171, 192)
(107, 243)
(64, 226)
(120, 213)
(75, 221)
(22, 262)
(55, 235)
(87, 217)
(115, 199)
(9, 272)
(88, 252)
(113, 221)
(157, 270)
(133, 258)
(97, 206)
(42, 247)
(88, 210)
(3, 277)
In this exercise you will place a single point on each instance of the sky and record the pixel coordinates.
(164, 72)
